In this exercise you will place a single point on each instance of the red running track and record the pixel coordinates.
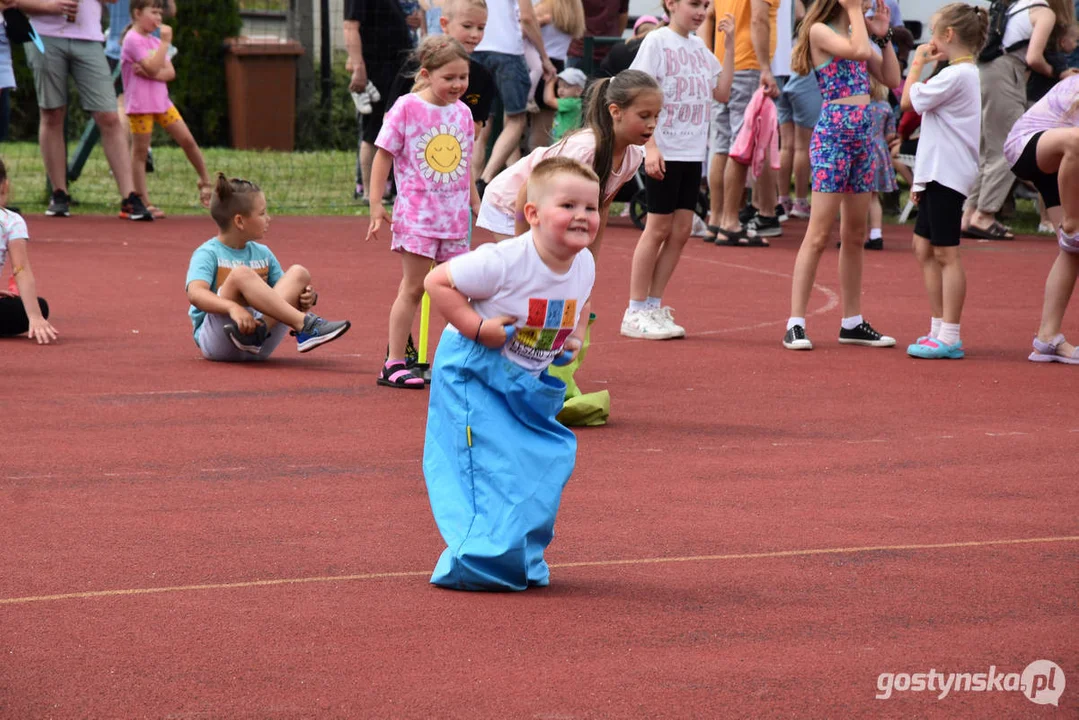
(758, 533)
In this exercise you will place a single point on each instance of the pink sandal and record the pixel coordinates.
(1047, 352)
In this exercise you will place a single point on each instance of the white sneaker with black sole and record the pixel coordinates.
(865, 335)
(796, 339)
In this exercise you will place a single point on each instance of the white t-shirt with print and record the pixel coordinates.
(510, 278)
(686, 70)
(951, 108)
(503, 32)
(12, 227)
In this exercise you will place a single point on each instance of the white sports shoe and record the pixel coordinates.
(644, 324)
(665, 316)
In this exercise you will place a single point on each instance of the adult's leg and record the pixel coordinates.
(409, 292)
(817, 237)
(50, 137)
(671, 252)
(246, 287)
(367, 158)
(734, 183)
(802, 136)
(852, 233)
(114, 143)
(1003, 102)
(513, 127)
(715, 188)
(764, 191)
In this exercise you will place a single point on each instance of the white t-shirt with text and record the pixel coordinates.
(510, 278)
(686, 70)
(951, 108)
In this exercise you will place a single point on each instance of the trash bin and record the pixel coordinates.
(261, 79)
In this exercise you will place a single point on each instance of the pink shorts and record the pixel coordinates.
(438, 250)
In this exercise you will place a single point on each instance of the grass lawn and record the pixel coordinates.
(307, 183)
(298, 183)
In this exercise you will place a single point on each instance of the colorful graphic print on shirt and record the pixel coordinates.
(225, 266)
(546, 328)
(440, 155)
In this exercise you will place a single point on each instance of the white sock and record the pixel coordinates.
(949, 333)
(638, 305)
(796, 321)
(875, 234)
(934, 327)
(653, 302)
(852, 322)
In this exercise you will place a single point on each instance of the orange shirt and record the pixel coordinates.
(745, 58)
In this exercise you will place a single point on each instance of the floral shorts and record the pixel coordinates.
(840, 153)
(438, 250)
(142, 124)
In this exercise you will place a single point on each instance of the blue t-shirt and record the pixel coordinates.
(213, 261)
(119, 18)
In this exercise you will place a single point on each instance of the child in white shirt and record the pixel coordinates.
(22, 312)
(495, 458)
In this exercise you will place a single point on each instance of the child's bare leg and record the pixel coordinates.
(671, 252)
(246, 287)
(852, 233)
(657, 229)
(183, 137)
(1058, 291)
(934, 284)
(876, 212)
(818, 234)
(290, 287)
(1058, 151)
(954, 283)
(140, 148)
(403, 311)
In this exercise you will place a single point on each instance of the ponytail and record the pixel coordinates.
(230, 198)
(621, 91)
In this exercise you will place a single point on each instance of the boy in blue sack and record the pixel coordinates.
(242, 303)
(495, 458)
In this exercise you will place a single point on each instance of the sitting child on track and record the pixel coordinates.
(495, 458)
(21, 312)
(146, 70)
(242, 304)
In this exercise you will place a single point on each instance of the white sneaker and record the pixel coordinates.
(372, 92)
(363, 102)
(700, 228)
(665, 316)
(645, 325)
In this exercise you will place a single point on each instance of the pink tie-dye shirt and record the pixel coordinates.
(432, 148)
(1051, 112)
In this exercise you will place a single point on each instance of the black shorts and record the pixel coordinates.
(559, 66)
(940, 215)
(1026, 168)
(678, 190)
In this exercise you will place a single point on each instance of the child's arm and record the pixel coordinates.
(922, 56)
(827, 41)
(549, 97)
(155, 62)
(40, 329)
(380, 173)
(455, 307)
(201, 296)
(722, 90)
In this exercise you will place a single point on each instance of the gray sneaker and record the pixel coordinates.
(59, 204)
(317, 331)
(248, 342)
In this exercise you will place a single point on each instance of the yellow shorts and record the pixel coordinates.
(144, 124)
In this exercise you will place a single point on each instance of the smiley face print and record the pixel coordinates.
(441, 157)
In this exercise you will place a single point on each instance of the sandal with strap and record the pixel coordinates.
(156, 212)
(1047, 352)
(996, 231)
(739, 238)
(398, 375)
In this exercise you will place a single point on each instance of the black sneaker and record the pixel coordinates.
(132, 208)
(781, 213)
(59, 204)
(796, 339)
(864, 334)
(746, 214)
(765, 226)
(874, 244)
(248, 342)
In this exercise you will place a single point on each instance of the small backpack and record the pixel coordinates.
(999, 16)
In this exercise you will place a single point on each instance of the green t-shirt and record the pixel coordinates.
(567, 118)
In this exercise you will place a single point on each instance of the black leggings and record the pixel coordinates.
(13, 320)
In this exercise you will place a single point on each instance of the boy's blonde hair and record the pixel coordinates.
(545, 172)
(451, 7)
(231, 198)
